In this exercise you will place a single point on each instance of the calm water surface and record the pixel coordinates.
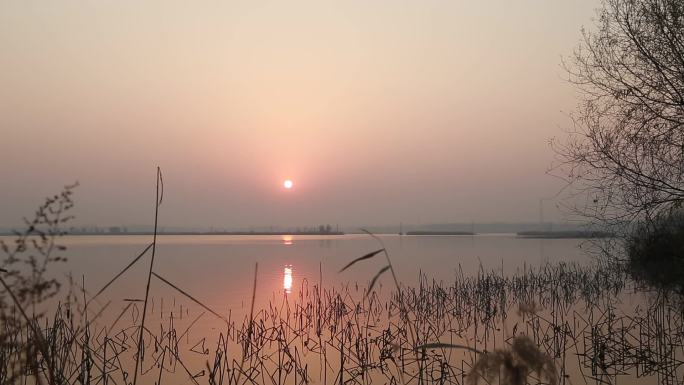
(595, 328)
(219, 269)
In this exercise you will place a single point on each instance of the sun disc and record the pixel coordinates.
(288, 184)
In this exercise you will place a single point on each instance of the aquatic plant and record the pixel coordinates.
(512, 366)
(456, 332)
(26, 282)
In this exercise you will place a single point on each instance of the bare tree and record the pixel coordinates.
(625, 155)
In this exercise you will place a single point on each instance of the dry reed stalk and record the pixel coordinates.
(157, 202)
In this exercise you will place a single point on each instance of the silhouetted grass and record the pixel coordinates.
(540, 325)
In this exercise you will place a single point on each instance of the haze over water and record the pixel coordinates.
(261, 128)
(380, 112)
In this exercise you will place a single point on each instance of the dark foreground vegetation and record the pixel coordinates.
(568, 320)
(656, 252)
(558, 324)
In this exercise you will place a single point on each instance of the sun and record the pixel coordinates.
(288, 184)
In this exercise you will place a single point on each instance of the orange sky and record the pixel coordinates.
(380, 111)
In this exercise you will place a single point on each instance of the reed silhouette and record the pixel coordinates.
(547, 325)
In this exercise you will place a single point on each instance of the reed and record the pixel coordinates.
(557, 323)
(365, 339)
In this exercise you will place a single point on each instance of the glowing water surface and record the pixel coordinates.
(207, 283)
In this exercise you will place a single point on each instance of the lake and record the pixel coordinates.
(460, 297)
(221, 267)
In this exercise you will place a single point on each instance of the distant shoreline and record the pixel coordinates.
(565, 234)
(200, 233)
(416, 233)
(439, 233)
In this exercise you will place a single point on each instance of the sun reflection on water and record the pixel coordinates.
(287, 240)
(287, 279)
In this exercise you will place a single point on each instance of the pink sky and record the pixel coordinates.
(379, 111)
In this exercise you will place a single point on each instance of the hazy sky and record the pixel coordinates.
(379, 111)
